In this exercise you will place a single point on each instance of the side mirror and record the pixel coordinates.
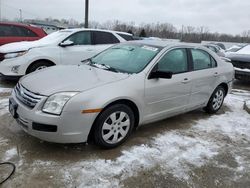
(160, 74)
(66, 43)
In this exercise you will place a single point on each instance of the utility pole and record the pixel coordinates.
(21, 15)
(0, 10)
(86, 24)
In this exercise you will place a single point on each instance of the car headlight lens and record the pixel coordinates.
(55, 103)
(14, 55)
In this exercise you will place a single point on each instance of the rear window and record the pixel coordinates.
(104, 38)
(126, 37)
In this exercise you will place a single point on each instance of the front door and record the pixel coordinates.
(166, 97)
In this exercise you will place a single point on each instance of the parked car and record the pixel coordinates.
(215, 49)
(125, 86)
(241, 62)
(17, 32)
(64, 47)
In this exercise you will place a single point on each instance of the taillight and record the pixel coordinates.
(1, 56)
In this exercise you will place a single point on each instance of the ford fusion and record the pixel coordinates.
(126, 86)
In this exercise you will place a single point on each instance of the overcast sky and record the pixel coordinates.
(227, 16)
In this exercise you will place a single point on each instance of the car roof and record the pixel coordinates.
(17, 24)
(163, 44)
(90, 29)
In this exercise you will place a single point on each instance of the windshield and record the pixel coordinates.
(56, 36)
(126, 58)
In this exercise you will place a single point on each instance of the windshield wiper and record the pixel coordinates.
(109, 68)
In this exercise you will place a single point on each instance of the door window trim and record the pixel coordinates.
(189, 63)
(91, 37)
(192, 61)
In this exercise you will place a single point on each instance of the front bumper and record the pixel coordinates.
(242, 75)
(6, 67)
(70, 127)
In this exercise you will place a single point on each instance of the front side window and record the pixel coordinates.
(174, 61)
(127, 58)
(81, 38)
(202, 60)
(104, 38)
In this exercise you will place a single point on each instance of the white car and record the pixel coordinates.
(64, 47)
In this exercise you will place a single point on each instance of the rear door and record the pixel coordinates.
(204, 76)
(165, 97)
(102, 40)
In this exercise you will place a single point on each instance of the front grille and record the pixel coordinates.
(2, 57)
(241, 64)
(27, 97)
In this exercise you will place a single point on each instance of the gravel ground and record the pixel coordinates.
(190, 150)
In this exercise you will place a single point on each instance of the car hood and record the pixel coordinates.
(239, 57)
(21, 46)
(69, 78)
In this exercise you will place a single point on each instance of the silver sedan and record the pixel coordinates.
(126, 86)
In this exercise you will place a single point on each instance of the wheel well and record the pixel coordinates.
(129, 103)
(225, 86)
(40, 60)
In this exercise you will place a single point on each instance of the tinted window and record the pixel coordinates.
(202, 60)
(174, 61)
(81, 38)
(104, 38)
(6, 31)
(126, 37)
(15, 31)
(25, 32)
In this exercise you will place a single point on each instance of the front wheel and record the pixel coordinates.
(114, 126)
(38, 66)
(216, 100)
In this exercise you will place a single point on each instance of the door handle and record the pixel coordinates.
(185, 81)
(89, 49)
(216, 74)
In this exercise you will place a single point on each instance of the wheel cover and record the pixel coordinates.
(116, 127)
(218, 99)
(41, 67)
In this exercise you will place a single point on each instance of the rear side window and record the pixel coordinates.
(24, 32)
(6, 31)
(202, 60)
(104, 38)
(81, 38)
(174, 61)
(126, 37)
(15, 31)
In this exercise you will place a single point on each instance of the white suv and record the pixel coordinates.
(64, 47)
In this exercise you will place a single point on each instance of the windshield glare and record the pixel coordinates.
(127, 58)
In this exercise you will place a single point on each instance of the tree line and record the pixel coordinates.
(169, 31)
(161, 30)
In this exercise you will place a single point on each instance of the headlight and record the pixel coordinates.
(55, 103)
(15, 54)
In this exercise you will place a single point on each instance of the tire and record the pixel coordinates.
(216, 100)
(38, 66)
(113, 126)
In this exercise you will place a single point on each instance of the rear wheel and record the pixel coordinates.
(114, 126)
(39, 65)
(216, 100)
